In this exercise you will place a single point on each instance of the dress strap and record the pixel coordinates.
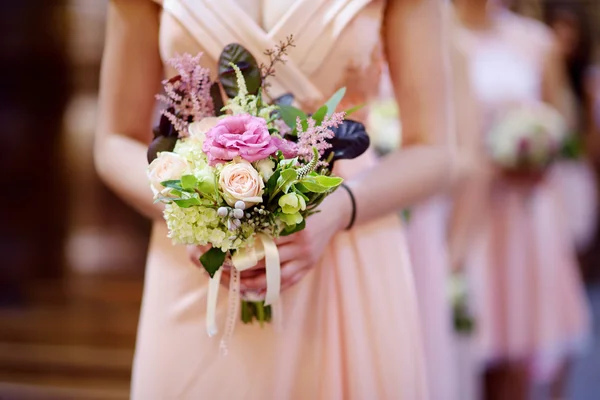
(216, 23)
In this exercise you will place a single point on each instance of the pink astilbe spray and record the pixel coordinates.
(316, 136)
(187, 96)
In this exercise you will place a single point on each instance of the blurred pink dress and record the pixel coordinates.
(350, 328)
(528, 296)
(576, 181)
(426, 233)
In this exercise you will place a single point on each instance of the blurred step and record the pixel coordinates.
(121, 291)
(68, 360)
(75, 325)
(60, 391)
(33, 371)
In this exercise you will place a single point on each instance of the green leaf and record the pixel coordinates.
(406, 214)
(187, 203)
(189, 182)
(301, 194)
(573, 147)
(236, 54)
(272, 183)
(301, 188)
(320, 115)
(329, 181)
(206, 188)
(289, 230)
(335, 100)
(212, 260)
(287, 178)
(172, 184)
(320, 183)
(312, 186)
(289, 115)
(352, 110)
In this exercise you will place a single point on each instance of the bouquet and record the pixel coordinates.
(527, 138)
(236, 174)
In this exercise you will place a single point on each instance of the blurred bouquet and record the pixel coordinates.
(527, 138)
(237, 174)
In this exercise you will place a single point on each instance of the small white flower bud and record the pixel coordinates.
(240, 205)
(222, 211)
(237, 213)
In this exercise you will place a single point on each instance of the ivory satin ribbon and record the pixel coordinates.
(264, 247)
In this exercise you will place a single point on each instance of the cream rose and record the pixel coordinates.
(167, 166)
(198, 129)
(239, 181)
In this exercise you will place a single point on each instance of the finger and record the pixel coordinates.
(289, 269)
(225, 279)
(289, 252)
(254, 283)
(204, 249)
(281, 240)
(248, 274)
(251, 273)
(294, 279)
(259, 265)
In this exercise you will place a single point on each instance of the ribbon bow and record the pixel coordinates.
(264, 247)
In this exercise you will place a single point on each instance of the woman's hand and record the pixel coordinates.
(298, 253)
(195, 252)
(302, 251)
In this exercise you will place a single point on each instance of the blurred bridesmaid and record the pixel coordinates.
(429, 238)
(576, 178)
(531, 312)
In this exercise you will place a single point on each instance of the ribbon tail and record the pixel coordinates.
(273, 269)
(211, 303)
(234, 305)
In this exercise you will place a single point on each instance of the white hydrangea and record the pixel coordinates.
(201, 225)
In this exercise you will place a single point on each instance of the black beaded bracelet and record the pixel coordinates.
(353, 201)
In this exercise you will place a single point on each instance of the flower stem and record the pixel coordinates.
(260, 313)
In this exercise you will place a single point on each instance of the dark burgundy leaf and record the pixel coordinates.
(160, 143)
(165, 128)
(350, 141)
(236, 54)
(217, 98)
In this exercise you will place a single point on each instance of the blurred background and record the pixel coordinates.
(71, 253)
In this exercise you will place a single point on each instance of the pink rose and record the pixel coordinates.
(238, 135)
(288, 148)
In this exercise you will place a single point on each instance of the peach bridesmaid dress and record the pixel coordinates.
(528, 296)
(350, 328)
